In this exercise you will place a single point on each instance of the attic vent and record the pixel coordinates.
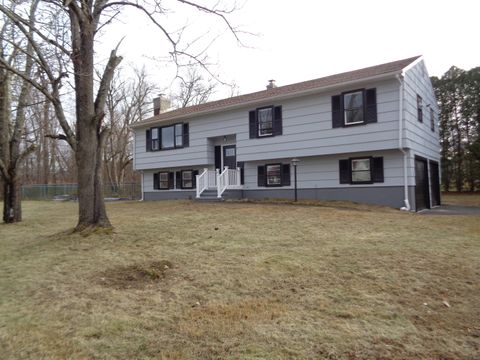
(271, 84)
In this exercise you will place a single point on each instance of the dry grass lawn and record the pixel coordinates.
(183, 280)
(467, 199)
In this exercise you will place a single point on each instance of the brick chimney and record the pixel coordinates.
(161, 104)
(271, 84)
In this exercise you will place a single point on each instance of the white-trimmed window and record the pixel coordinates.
(419, 108)
(361, 172)
(353, 107)
(168, 137)
(178, 135)
(432, 120)
(163, 181)
(155, 139)
(187, 179)
(274, 175)
(265, 121)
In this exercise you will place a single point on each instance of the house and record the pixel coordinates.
(367, 135)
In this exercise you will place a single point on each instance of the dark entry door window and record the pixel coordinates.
(422, 197)
(230, 156)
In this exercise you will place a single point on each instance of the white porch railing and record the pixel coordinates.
(202, 182)
(227, 179)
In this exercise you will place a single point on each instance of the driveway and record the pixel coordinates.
(452, 210)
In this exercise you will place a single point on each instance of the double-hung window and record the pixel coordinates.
(353, 107)
(155, 139)
(432, 120)
(356, 107)
(365, 170)
(419, 108)
(178, 135)
(265, 121)
(187, 179)
(163, 180)
(274, 175)
(361, 171)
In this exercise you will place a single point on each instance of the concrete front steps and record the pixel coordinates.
(209, 196)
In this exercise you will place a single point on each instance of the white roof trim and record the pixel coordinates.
(412, 64)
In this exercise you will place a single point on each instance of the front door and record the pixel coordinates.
(230, 156)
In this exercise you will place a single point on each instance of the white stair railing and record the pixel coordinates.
(222, 182)
(212, 179)
(234, 178)
(202, 182)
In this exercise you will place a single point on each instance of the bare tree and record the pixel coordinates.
(74, 47)
(128, 101)
(12, 127)
(193, 88)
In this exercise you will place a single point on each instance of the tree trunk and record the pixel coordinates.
(92, 212)
(88, 152)
(12, 206)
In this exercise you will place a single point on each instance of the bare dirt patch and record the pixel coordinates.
(135, 276)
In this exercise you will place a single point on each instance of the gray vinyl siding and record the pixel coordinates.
(307, 131)
(312, 172)
(418, 136)
(307, 128)
(323, 171)
(317, 178)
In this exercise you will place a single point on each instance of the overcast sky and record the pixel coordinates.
(306, 39)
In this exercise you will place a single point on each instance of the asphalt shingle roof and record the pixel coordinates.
(372, 71)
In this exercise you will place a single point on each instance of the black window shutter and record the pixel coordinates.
(194, 178)
(371, 106)
(286, 174)
(377, 169)
(156, 181)
(148, 141)
(344, 166)
(241, 165)
(186, 136)
(262, 179)
(218, 157)
(337, 111)
(178, 176)
(171, 181)
(252, 123)
(277, 120)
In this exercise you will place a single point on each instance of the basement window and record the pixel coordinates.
(361, 172)
(187, 179)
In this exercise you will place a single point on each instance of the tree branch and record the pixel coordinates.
(107, 77)
(57, 136)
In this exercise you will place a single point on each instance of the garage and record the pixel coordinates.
(435, 182)
(422, 196)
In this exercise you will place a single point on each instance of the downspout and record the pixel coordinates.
(400, 145)
(141, 184)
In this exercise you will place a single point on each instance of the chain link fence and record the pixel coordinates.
(130, 191)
